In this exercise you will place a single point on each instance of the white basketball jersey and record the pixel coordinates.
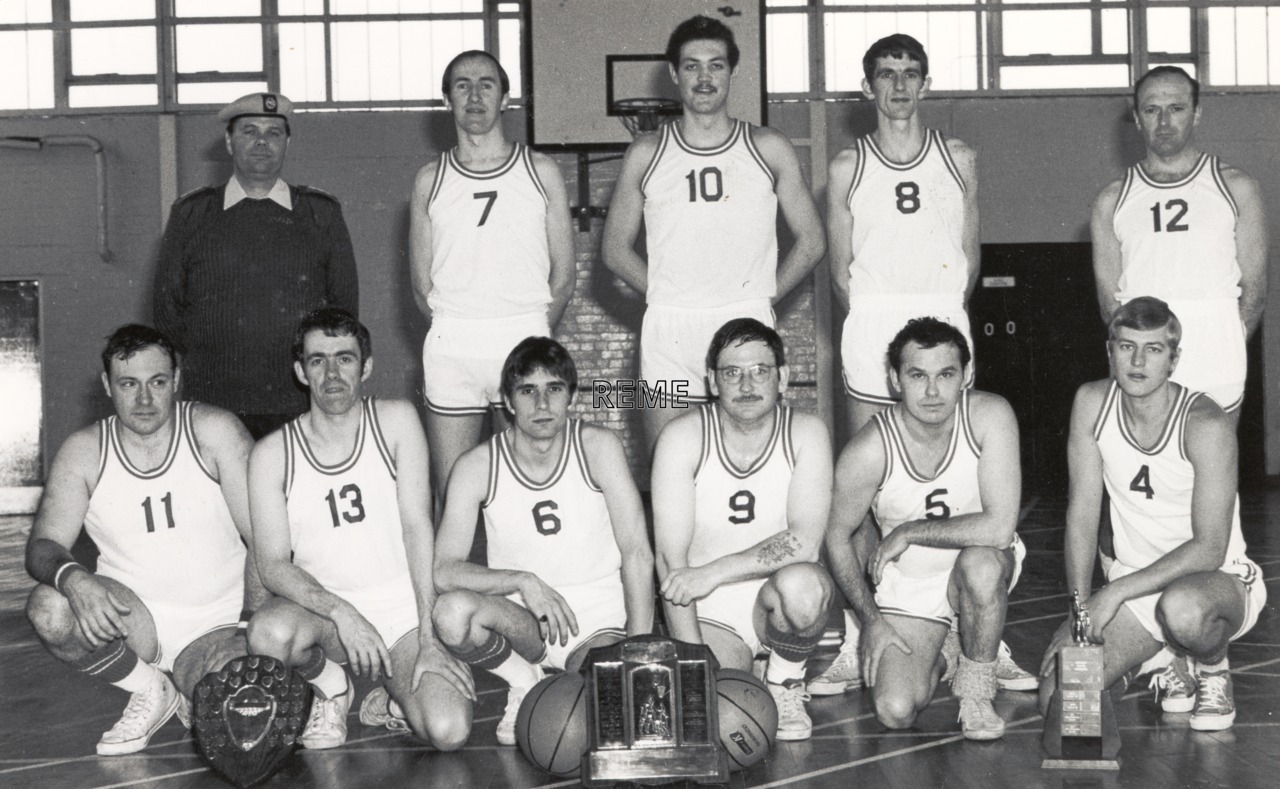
(489, 254)
(908, 494)
(710, 218)
(558, 529)
(344, 519)
(735, 508)
(166, 533)
(908, 222)
(1177, 240)
(1151, 489)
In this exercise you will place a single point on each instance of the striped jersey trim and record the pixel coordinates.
(749, 139)
(1111, 409)
(494, 454)
(738, 131)
(575, 434)
(441, 168)
(1183, 181)
(929, 142)
(663, 139)
(1182, 421)
(104, 445)
(175, 436)
(485, 175)
(858, 170)
(941, 141)
(1215, 170)
(186, 414)
(508, 457)
(1125, 187)
(526, 156)
(895, 443)
(371, 414)
(781, 420)
(706, 415)
(300, 441)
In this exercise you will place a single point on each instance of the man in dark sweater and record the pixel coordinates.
(240, 265)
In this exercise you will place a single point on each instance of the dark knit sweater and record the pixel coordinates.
(232, 285)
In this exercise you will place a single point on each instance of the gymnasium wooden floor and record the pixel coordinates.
(50, 717)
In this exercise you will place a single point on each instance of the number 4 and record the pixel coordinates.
(1142, 482)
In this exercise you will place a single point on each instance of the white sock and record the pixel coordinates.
(518, 672)
(782, 670)
(332, 680)
(1221, 665)
(851, 630)
(139, 679)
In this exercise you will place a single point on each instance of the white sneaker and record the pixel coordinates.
(1215, 702)
(146, 712)
(507, 726)
(327, 726)
(1176, 686)
(184, 711)
(1009, 675)
(378, 709)
(979, 721)
(793, 719)
(844, 673)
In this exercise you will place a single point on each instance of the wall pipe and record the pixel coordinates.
(100, 163)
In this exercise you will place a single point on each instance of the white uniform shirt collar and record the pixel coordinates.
(235, 193)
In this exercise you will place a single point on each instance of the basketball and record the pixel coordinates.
(748, 718)
(551, 727)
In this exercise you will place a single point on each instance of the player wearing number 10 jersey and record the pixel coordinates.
(569, 564)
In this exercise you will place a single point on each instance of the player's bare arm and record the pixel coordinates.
(608, 464)
(999, 486)
(626, 214)
(420, 255)
(840, 221)
(468, 486)
(564, 271)
(363, 646)
(1251, 246)
(1106, 249)
(795, 201)
(57, 525)
(858, 475)
(408, 447)
(966, 160)
(675, 460)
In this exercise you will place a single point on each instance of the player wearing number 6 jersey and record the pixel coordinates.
(1190, 230)
(740, 495)
(491, 258)
(341, 501)
(1166, 457)
(569, 564)
(708, 189)
(939, 472)
(160, 487)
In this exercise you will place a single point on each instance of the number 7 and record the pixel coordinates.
(492, 197)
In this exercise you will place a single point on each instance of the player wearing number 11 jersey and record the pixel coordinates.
(569, 564)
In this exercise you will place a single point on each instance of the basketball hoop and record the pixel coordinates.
(644, 115)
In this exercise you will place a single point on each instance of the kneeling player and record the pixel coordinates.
(569, 563)
(741, 489)
(344, 490)
(939, 470)
(160, 487)
(1166, 456)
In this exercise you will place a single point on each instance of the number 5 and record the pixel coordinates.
(934, 502)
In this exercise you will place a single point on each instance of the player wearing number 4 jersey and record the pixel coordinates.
(341, 501)
(708, 189)
(1186, 228)
(1166, 457)
(569, 564)
(741, 489)
(491, 258)
(939, 471)
(160, 487)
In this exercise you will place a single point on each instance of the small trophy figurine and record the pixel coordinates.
(1080, 729)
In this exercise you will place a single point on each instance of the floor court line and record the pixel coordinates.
(151, 779)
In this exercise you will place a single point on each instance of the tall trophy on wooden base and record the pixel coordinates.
(1080, 731)
(652, 714)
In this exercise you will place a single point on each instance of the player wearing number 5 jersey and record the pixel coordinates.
(1190, 230)
(708, 189)
(160, 488)
(740, 495)
(341, 500)
(1166, 457)
(939, 471)
(491, 258)
(569, 564)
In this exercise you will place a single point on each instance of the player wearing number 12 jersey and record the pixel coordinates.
(569, 564)
(741, 489)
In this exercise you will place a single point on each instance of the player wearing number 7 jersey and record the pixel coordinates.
(569, 564)
(160, 487)
(939, 471)
(341, 503)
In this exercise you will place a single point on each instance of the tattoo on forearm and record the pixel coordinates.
(777, 549)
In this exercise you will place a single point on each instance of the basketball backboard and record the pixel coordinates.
(583, 55)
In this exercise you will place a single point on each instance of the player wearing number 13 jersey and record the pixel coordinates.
(569, 564)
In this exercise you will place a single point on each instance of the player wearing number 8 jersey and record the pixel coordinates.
(1188, 229)
(740, 495)
(569, 564)
(160, 488)
(341, 499)
(1166, 456)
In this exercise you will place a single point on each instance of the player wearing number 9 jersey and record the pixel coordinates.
(569, 564)
(740, 495)
(902, 219)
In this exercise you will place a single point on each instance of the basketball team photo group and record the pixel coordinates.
(656, 421)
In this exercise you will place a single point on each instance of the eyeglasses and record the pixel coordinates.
(759, 373)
